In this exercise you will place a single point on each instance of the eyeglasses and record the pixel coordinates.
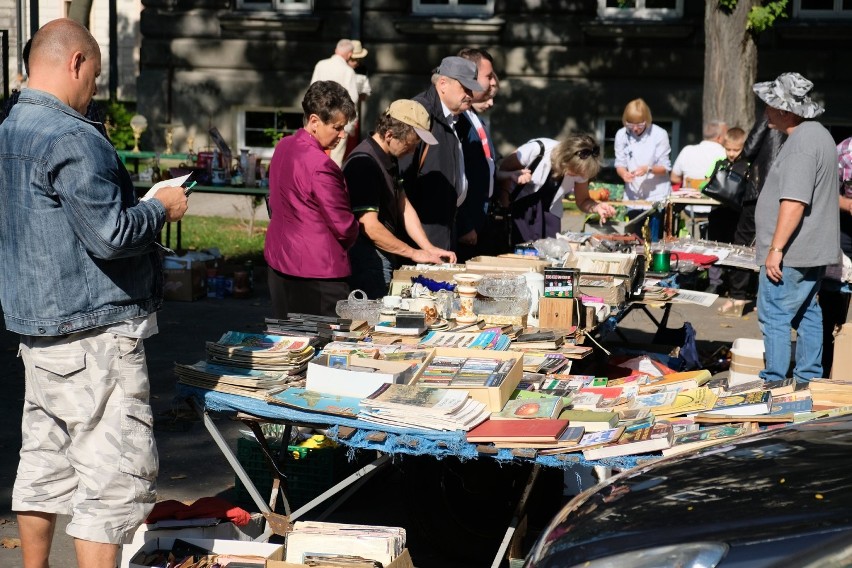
(634, 124)
(587, 153)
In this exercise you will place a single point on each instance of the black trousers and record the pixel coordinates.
(740, 283)
(318, 296)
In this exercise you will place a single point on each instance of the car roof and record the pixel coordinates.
(774, 483)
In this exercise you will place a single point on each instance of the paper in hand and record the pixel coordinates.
(165, 183)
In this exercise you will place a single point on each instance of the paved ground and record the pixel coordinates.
(454, 513)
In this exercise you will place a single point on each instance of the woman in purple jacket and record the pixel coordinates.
(312, 225)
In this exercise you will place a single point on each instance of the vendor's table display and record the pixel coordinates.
(448, 365)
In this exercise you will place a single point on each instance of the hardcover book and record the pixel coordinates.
(525, 408)
(653, 438)
(746, 404)
(591, 420)
(518, 430)
(687, 441)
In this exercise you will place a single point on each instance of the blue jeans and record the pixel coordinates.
(791, 303)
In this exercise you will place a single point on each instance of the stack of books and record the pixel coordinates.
(253, 383)
(326, 541)
(423, 407)
(261, 351)
(323, 328)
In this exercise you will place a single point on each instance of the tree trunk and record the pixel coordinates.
(80, 11)
(730, 64)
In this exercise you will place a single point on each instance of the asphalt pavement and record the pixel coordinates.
(454, 513)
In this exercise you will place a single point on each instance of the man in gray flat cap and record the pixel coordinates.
(433, 176)
(798, 229)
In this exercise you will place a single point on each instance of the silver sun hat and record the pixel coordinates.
(789, 92)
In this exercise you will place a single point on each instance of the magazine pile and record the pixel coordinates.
(249, 364)
(430, 408)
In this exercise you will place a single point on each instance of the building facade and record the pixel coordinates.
(564, 65)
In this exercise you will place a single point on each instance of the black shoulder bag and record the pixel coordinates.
(728, 183)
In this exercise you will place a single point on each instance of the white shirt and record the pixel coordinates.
(696, 161)
(651, 148)
(461, 189)
(483, 137)
(336, 69)
(528, 153)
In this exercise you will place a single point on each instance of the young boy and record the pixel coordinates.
(722, 226)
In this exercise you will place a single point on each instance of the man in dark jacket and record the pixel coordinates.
(433, 177)
(760, 149)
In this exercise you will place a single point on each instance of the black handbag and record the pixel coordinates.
(728, 183)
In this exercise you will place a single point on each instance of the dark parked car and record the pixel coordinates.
(779, 498)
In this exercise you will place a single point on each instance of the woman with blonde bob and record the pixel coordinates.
(535, 177)
(642, 155)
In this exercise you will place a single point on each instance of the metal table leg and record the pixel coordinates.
(520, 512)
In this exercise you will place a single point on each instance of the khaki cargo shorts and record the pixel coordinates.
(88, 445)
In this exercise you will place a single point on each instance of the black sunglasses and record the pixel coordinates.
(586, 153)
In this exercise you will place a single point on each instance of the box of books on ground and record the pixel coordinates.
(313, 543)
(489, 376)
(746, 360)
(195, 552)
(202, 528)
(185, 277)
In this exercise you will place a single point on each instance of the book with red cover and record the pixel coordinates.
(536, 430)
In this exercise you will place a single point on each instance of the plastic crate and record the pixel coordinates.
(309, 471)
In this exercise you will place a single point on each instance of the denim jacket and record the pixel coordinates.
(77, 249)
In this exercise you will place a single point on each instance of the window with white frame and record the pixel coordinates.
(607, 127)
(284, 6)
(475, 8)
(640, 9)
(260, 129)
(822, 8)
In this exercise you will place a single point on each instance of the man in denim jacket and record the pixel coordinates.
(81, 283)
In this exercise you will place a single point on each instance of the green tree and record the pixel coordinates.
(730, 56)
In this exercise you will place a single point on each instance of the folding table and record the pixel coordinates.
(385, 440)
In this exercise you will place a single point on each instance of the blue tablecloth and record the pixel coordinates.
(398, 441)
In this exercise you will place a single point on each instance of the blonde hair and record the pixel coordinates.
(565, 158)
(637, 110)
(735, 135)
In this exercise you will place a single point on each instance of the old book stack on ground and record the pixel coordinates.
(335, 544)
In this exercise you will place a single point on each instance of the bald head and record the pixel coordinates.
(58, 40)
(65, 61)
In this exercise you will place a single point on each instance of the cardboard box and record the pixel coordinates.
(841, 366)
(494, 397)
(358, 383)
(746, 360)
(401, 561)
(220, 531)
(402, 277)
(185, 284)
(486, 264)
(558, 313)
(217, 546)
